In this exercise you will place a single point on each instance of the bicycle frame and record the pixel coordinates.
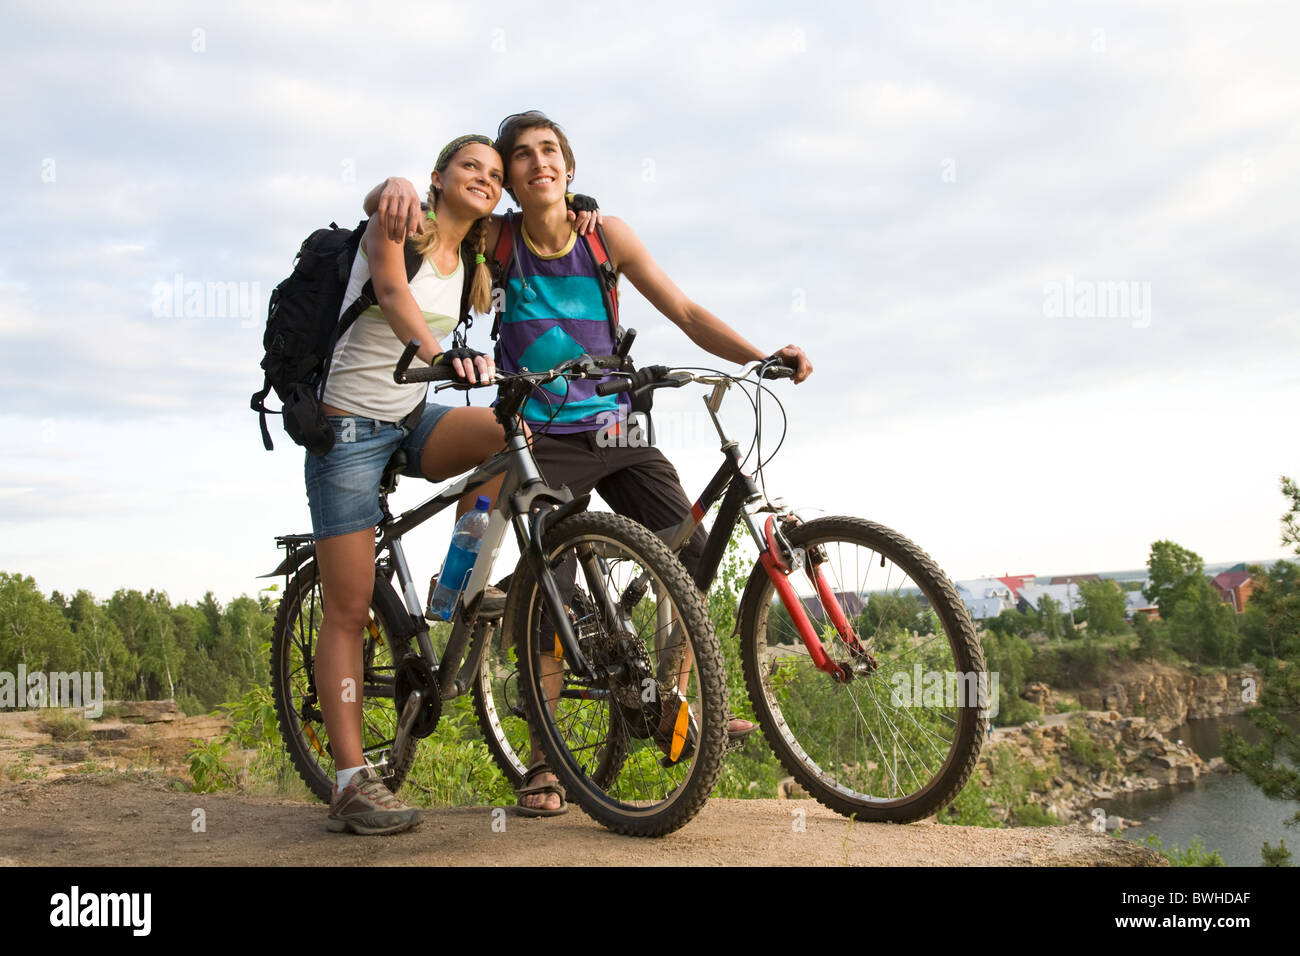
(521, 505)
(741, 501)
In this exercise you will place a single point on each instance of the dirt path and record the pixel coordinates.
(111, 819)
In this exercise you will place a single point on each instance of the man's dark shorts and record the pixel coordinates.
(637, 481)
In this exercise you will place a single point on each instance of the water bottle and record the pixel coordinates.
(465, 542)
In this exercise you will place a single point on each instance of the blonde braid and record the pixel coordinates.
(480, 293)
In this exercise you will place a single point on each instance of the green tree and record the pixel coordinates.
(1202, 627)
(33, 632)
(1276, 856)
(1291, 520)
(1008, 655)
(1012, 621)
(1103, 603)
(888, 615)
(1152, 637)
(103, 648)
(246, 626)
(147, 628)
(1049, 617)
(1273, 611)
(1172, 573)
(1273, 764)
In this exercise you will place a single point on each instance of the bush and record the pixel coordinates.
(970, 808)
(1032, 815)
(1195, 855)
(454, 767)
(62, 725)
(1085, 750)
(208, 766)
(1005, 796)
(1276, 855)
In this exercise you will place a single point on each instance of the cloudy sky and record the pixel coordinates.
(1043, 256)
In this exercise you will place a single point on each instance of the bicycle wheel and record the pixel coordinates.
(293, 684)
(612, 741)
(499, 707)
(500, 712)
(899, 739)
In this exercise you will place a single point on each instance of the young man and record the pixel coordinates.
(554, 310)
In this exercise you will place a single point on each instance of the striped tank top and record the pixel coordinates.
(560, 316)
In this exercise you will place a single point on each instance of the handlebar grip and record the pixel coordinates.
(625, 344)
(442, 372)
(641, 378)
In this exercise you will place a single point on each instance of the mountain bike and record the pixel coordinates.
(638, 747)
(860, 660)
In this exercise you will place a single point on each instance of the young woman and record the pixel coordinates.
(372, 418)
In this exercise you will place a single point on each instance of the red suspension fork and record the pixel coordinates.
(832, 605)
(778, 570)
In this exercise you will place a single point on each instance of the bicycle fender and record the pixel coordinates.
(292, 561)
(547, 518)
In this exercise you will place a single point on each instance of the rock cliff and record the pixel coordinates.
(1167, 697)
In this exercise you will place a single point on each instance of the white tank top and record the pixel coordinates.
(361, 371)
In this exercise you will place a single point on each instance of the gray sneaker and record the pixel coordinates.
(492, 605)
(367, 807)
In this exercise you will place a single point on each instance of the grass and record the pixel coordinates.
(62, 725)
(22, 769)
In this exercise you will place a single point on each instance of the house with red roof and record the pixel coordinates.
(1016, 581)
(1234, 587)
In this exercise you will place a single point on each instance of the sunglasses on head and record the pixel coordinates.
(530, 114)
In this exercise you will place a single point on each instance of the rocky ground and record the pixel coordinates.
(116, 787)
(115, 793)
(124, 820)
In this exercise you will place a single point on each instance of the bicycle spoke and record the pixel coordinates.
(879, 737)
(618, 739)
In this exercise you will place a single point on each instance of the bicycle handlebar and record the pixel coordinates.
(585, 366)
(430, 373)
(661, 376)
(648, 377)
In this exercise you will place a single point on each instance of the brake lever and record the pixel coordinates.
(464, 386)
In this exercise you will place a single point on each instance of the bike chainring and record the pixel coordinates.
(414, 673)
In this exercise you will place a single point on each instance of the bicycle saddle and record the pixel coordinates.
(396, 465)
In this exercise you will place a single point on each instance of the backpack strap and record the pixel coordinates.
(365, 300)
(504, 256)
(608, 279)
(258, 404)
(460, 334)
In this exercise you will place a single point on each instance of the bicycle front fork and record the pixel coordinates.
(779, 559)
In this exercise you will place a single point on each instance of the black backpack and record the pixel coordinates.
(303, 325)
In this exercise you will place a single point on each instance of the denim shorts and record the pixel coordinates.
(343, 486)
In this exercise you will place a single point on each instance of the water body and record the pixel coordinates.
(1226, 810)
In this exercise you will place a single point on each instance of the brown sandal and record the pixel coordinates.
(537, 769)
